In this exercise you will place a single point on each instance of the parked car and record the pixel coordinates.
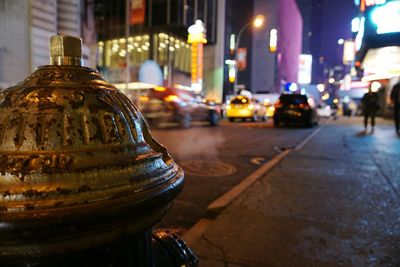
(243, 107)
(160, 105)
(295, 108)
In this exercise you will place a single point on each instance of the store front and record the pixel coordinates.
(171, 53)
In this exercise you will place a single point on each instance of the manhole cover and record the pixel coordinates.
(208, 168)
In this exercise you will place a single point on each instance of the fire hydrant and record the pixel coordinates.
(82, 180)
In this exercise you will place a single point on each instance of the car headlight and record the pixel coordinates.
(251, 107)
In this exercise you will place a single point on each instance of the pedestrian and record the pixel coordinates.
(395, 98)
(370, 105)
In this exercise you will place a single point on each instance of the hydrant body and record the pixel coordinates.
(81, 178)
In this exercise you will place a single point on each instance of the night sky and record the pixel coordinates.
(337, 16)
(335, 24)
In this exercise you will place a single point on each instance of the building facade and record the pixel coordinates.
(273, 69)
(161, 37)
(377, 43)
(25, 30)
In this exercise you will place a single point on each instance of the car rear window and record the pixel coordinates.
(242, 100)
(293, 99)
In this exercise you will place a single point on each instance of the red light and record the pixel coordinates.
(278, 104)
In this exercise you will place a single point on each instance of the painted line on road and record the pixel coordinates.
(308, 138)
(234, 192)
(197, 230)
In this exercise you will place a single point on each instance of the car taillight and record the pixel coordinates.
(304, 106)
(171, 98)
(278, 104)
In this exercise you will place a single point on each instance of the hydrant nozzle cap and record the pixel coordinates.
(66, 50)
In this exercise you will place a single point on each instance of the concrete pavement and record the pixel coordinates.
(334, 202)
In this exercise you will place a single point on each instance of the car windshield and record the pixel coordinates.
(240, 100)
(293, 99)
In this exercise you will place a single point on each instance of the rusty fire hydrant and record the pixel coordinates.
(82, 181)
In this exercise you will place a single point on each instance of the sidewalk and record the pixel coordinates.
(335, 202)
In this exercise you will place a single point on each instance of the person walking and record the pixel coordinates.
(395, 98)
(370, 105)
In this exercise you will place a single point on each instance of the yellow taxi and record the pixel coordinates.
(270, 108)
(243, 107)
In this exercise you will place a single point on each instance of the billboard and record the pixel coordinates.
(242, 58)
(305, 69)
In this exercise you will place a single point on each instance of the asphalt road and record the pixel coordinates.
(217, 158)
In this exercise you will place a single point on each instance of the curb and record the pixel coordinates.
(218, 205)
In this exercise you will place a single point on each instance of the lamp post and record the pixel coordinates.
(257, 22)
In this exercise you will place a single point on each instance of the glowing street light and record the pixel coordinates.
(258, 21)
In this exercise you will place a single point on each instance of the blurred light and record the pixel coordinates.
(122, 53)
(230, 62)
(375, 86)
(122, 40)
(251, 106)
(320, 87)
(159, 88)
(355, 24)
(171, 98)
(335, 101)
(293, 87)
(115, 48)
(331, 80)
(271, 108)
(346, 99)
(244, 100)
(232, 43)
(360, 34)
(228, 107)
(325, 96)
(340, 41)
(144, 98)
(303, 91)
(232, 75)
(267, 101)
(258, 21)
(273, 40)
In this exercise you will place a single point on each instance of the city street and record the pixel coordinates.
(217, 158)
(333, 202)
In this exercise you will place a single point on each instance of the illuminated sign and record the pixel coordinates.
(387, 18)
(242, 58)
(367, 3)
(384, 60)
(360, 34)
(305, 67)
(349, 52)
(196, 33)
(197, 38)
(355, 24)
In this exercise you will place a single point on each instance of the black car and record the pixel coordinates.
(295, 108)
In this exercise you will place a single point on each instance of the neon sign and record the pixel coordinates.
(367, 3)
(387, 18)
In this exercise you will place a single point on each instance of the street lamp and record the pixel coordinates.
(257, 22)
